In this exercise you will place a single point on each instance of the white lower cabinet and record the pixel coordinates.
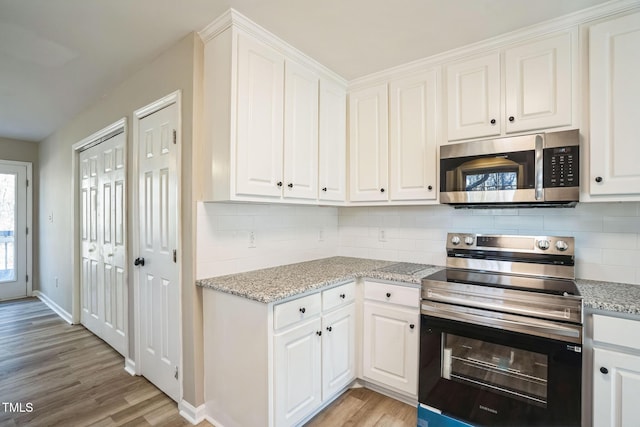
(391, 336)
(616, 372)
(315, 359)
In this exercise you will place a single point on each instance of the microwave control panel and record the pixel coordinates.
(561, 166)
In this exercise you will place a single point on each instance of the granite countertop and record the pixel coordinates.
(277, 283)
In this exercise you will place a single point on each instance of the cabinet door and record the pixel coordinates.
(368, 144)
(338, 350)
(390, 346)
(615, 393)
(413, 137)
(300, 132)
(538, 84)
(297, 373)
(260, 109)
(333, 142)
(473, 98)
(614, 67)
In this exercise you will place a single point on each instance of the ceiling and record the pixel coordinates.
(57, 57)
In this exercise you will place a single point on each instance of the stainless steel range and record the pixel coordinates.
(501, 334)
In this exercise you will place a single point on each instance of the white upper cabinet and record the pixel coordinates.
(300, 132)
(333, 142)
(537, 78)
(538, 84)
(369, 144)
(260, 117)
(413, 137)
(473, 95)
(264, 105)
(614, 92)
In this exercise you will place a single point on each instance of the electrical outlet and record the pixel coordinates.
(252, 239)
(382, 235)
(321, 235)
(50, 217)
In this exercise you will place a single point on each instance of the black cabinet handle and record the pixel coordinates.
(412, 326)
(382, 190)
(493, 121)
(324, 188)
(290, 185)
(388, 294)
(511, 118)
(598, 179)
(343, 296)
(430, 187)
(329, 328)
(319, 333)
(302, 310)
(279, 184)
(604, 370)
(139, 262)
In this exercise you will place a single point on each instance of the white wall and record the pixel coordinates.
(607, 234)
(284, 234)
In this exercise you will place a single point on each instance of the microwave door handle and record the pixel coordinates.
(539, 162)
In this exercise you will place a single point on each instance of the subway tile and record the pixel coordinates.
(617, 224)
(620, 257)
(572, 223)
(236, 222)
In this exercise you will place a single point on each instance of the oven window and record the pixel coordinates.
(517, 373)
(491, 181)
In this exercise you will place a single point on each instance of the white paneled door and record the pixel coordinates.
(157, 260)
(13, 230)
(103, 278)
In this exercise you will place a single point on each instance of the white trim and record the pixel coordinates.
(191, 413)
(66, 316)
(130, 366)
(139, 114)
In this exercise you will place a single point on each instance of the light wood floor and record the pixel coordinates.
(72, 378)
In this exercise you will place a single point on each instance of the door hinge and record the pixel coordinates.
(176, 374)
(27, 183)
(175, 136)
(26, 278)
(27, 230)
(175, 256)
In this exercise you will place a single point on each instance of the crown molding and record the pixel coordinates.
(568, 22)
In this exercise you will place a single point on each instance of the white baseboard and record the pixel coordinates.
(191, 413)
(66, 316)
(130, 366)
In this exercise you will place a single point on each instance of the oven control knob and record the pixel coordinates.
(455, 240)
(543, 244)
(468, 240)
(561, 245)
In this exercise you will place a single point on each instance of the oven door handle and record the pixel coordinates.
(571, 333)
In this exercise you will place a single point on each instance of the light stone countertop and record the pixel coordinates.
(277, 283)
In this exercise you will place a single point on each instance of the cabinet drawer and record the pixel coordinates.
(613, 330)
(340, 295)
(288, 313)
(395, 294)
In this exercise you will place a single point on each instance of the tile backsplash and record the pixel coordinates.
(607, 234)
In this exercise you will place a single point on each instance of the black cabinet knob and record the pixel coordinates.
(319, 333)
(430, 187)
(493, 121)
(382, 190)
(329, 328)
(412, 326)
(343, 296)
(598, 179)
(290, 185)
(139, 262)
(511, 118)
(279, 184)
(324, 188)
(388, 294)
(302, 310)
(604, 370)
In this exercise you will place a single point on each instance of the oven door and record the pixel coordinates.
(493, 377)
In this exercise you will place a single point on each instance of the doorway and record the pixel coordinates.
(15, 229)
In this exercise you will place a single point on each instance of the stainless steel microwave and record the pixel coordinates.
(538, 170)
